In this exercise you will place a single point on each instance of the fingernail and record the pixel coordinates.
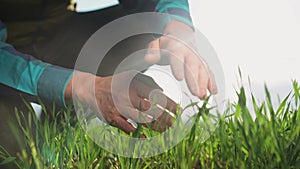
(215, 90)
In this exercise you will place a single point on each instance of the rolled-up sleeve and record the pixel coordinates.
(30, 75)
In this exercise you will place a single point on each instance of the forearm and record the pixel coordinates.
(27, 74)
(82, 87)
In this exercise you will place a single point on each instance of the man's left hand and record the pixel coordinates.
(177, 46)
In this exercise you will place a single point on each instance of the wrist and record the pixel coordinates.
(180, 32)
(80, 86)
(175, 27)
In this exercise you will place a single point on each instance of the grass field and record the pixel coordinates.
(271, 140)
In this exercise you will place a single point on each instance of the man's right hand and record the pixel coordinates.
(134, 101)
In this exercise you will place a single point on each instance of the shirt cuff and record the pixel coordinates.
(178, 14)
(52, 84)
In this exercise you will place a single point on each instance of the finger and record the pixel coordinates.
(164, 115)
(203, 80)
(140, 103)
(171, 107)
(163, 102)
(122, 124)
(143, 85)
(161, 123)
(191, 73)
(153, 53)
(136, 115)
(212, 85)
(177, 65)
(162, 111)
(144, 80)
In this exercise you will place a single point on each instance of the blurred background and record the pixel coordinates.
(261, 37)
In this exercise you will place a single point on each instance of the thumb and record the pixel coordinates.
(153, 53)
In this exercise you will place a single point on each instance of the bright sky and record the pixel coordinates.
(260, 36)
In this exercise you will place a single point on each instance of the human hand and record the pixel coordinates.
(177, 46)
(118, 98)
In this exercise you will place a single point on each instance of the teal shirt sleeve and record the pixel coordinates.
(27, 74)
(178, 9)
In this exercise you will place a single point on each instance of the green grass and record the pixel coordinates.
(271, 140)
